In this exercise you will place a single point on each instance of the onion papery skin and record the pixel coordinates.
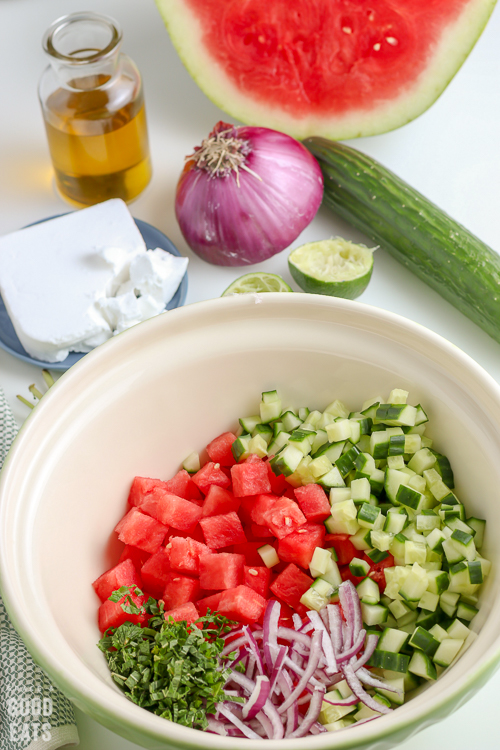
(237, 225)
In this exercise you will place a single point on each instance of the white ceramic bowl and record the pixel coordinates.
(140, 403)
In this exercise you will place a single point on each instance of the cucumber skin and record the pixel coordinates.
(441, 252)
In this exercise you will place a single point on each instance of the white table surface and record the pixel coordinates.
(451, 154)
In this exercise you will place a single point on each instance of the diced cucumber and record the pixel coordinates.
(265, 431)
(286, 461)
(395, 520)
(278, 442)
(191, 463)
(270, 406)
(415, 585)
(343, 519)
(368, 515)
(458, 630)
(368, 591)
(429, 601)
(374, 614)
(422, 460)
(396, 414)
(361, 539)
(345, 463)
(409, 497)
(438, 633)
(389, 660)
(359, 567)
(339, 494)
(398, 685)
(392, 482)
(447, 651)
(239, 448)
(415, 552)
(448, 601)
(424, 641)
(479, 526)
(290, 421)
(437, 581)
(360, 490)
(249, 423)
(332, 479)
(332, 574)
(269, 555)
(392, 640)
(337, 409)
(466, 611)
(421, 665)
(257, 446)
(319, 561)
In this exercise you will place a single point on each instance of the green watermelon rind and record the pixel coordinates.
(457, 40)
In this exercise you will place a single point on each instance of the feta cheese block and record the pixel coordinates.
(70, 283)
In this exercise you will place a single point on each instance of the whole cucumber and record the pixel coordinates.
(441, 252)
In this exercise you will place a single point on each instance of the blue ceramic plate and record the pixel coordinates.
(8, 338)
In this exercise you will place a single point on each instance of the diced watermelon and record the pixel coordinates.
(242, 603)
(221, 570)
(187, 612)
(260, 505)
(193, 533)
(343, 546)
(249, 549)
(299, 546)
(210, 473)
(172, 510)
(138, 556)
(261, 532)
(284, 517)
(156, 572)
(112, 615)
(221, 531)
(183, 486)
(313, 502)
(250, 479)
(219, 450)
(184, 554)
(123, 574)
(179, 590)
(278, 483)
(290, 585)
(257, 578)
(208, 603)
(142, 486)
(141, 531)
(219, 501)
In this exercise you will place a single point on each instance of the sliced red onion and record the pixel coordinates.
(216, 726)
(319, 626)
(292, 714)
(335, 626)
(351, 607)
(265, 724)
(317, 728)
(354, 649)
(246, 194)
(225, 711)
(278, 666)
(254, 649)
(312, 714)
(300, 671)
(310, 669)
(234, 645)
(293, 635)
(297, 620)
(351, 700)
(270, 630)
(273, 715)
(257, 698)
(370, 646)
(365, 676)
(357, 689)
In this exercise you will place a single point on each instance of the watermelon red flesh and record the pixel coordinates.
(219, 501)
(284, 517)
(242, 604)
(250, 479)
(112, 615)
(123, 574)
(221, 570)
(156, 572)
(172, 510)
(257, 578)
(290, 585)
(141, 531)
(259, 505)
(210, 473)
(219, 449)
(187, 612)
(221, 531)
(179, 590)
(184, 554)
(138, 556)
(208, 603)
(313, 502)
(338, 68)
(299, 546)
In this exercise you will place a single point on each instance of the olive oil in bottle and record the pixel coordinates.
(93, 106)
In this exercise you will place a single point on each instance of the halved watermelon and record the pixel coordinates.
(337, 68)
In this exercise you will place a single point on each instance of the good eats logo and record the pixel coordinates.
(29, 719)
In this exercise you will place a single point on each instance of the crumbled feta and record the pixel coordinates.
(72, 282)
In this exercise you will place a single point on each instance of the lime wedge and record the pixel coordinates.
(335, 267)
(257, 282)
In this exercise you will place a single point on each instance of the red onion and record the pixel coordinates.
(245, 194)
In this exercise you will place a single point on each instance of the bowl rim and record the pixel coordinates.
(113, 707)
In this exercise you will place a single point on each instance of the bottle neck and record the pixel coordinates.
(83, 49)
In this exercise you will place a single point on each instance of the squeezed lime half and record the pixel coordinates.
(256, 283)
(335, 267)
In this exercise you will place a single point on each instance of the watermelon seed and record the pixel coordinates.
(346, 30)
(377, 46)
(391, 40)
(253, 572)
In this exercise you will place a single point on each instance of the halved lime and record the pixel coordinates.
(335, 267)
(257, 282)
